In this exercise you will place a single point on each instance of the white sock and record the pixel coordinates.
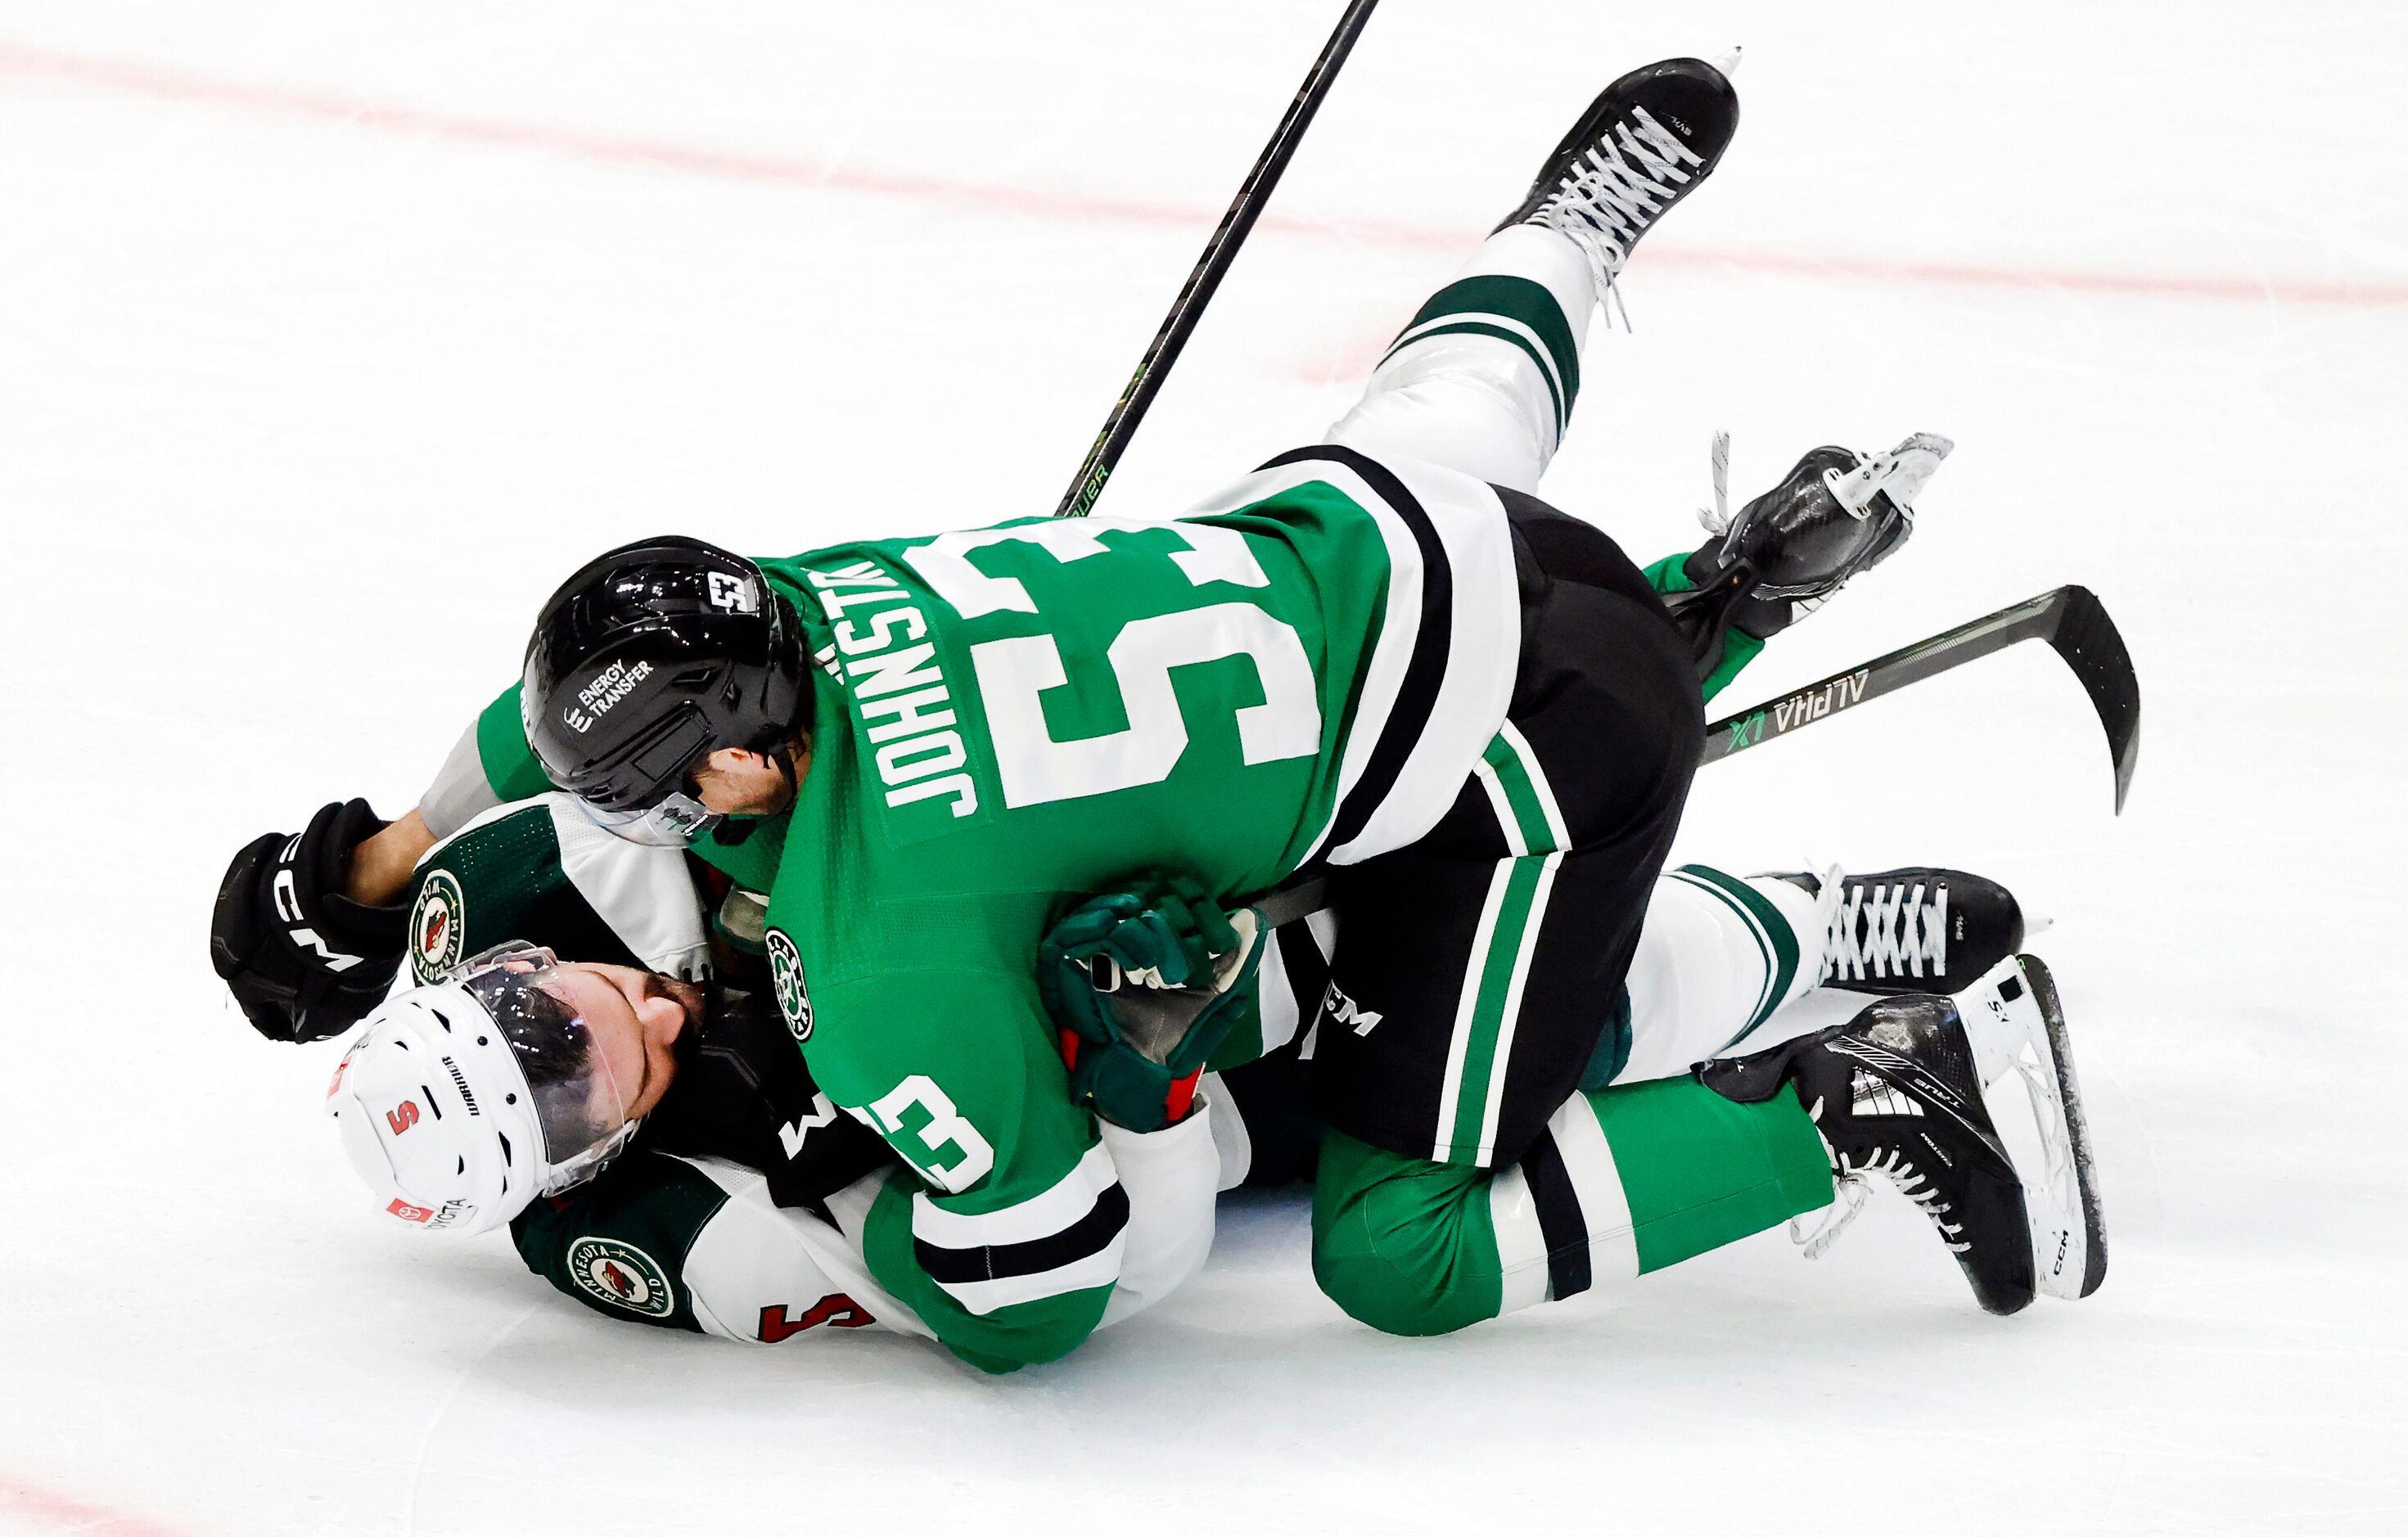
(1718, 957)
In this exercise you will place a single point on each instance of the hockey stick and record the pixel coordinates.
(1219, 251)
(2070, 619)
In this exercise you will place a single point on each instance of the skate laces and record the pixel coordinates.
(1717, 518)
(1613, 193)
(1887, 929)
(1848, 1196)
(1849, 1184)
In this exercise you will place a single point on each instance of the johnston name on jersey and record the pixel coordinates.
(1304, 670)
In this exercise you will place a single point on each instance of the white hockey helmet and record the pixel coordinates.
(461, 1102)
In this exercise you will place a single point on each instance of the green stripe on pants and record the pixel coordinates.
(1479, 1048)
(1480, 1038)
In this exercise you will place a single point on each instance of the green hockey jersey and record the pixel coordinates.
(1011, 718)
(742, 1208)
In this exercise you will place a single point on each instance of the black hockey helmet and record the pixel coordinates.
(649, 658)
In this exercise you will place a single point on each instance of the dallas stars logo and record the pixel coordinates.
(786, 978)
(438, 926)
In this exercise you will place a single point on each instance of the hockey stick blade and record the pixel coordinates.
(2071, 620)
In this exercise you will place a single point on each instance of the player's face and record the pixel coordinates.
(635, 1018)
(735, 782)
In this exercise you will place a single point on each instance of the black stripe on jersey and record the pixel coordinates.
(988, 1262)
(1432, 642)
(1560, 1223)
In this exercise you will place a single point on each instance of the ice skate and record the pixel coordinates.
(1643, 145)
(1898, 1091)
(1914, 930)
(2018, 1032)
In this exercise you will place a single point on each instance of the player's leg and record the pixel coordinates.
(1718, 959)
(1969, 1105)
(1475, 970)
(1484, 377)
(1470, 987)
(1620, 1183)
(1722, 954)
(1466, 1173)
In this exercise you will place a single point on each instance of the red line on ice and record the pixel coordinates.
(73, 1513)
(163, 85)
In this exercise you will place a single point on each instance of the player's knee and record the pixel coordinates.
(1392, 1243)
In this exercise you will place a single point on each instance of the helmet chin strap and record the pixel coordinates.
(782, 758)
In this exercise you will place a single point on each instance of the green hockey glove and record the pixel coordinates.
(1143, 984)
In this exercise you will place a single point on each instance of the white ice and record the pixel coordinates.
(332, 331)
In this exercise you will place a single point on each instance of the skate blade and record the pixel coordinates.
(2019, 1033)
(2076, 1269)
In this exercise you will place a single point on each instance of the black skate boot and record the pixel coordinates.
(1895, 1092)
(1914, 931)
(1643, 145)
(1837, 512)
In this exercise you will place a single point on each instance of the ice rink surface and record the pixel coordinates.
(332, 333)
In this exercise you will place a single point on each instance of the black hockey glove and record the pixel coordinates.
(1838, 513)
(1143, 985)
(302, 959)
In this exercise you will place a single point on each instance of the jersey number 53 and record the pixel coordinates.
(1014, 673)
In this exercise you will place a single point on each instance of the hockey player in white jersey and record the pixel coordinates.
(738, 1210)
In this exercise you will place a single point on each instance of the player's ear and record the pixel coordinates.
(662, 1016)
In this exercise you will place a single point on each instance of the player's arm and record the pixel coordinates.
(542, 872)
(1784, 555)
(307, 927)
(696, 1244)
(1026, 1216)
(490, 766)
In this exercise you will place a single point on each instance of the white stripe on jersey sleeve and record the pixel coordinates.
(1041, 1215)
(1100, 1269)
(1485, 637)
(1484, 653)
(754, 1256)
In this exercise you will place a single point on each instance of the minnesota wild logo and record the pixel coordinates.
(438, 926)
(622, 1275)
(786, 976)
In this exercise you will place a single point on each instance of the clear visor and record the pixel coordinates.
(578, 1100)
(677, 821)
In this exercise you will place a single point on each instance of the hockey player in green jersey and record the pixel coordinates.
(739, 1207)
(1380, 658)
